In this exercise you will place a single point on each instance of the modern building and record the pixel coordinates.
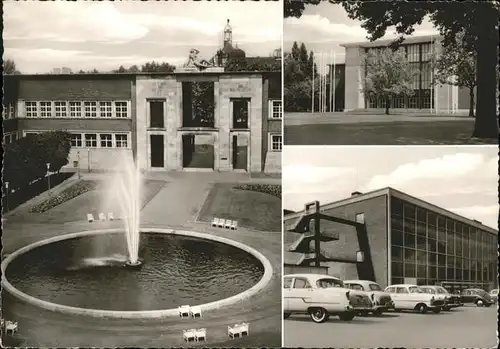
(199, 117)
(419, 51)
(401, 239)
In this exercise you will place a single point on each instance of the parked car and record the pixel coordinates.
(412, 297)
(381, 300)
(494, 295)
(321, 296)
(450, 301)
(476, 296)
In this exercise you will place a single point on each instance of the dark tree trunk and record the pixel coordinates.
(486, 123)
(387, 105)
(471, 102)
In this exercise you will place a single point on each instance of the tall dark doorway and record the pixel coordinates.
(198, 151)
(240, 153)
(157, 151)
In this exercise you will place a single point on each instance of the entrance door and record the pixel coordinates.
(240, 155)
(157, 151)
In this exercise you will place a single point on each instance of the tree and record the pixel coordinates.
(294, 8)
(388, 74)
(203, 102)
(155, 67)
(9, 67)
(121, 69)
(478, 20)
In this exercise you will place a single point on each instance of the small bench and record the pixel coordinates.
(195, 311)
(102, 217)
(90, 217)
(189, 335)
(238, 330)
(184, 311)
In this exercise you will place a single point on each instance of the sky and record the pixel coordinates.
(324, 27)
(462, 179)
(40, 36)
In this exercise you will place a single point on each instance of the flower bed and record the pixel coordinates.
(65, 195)
(271, 189)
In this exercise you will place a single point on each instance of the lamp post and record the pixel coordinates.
(78, 160)
(48, 176)
(6, 196)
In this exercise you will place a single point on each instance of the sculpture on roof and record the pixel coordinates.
(194, 61)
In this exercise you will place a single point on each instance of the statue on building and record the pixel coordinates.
(194, 61)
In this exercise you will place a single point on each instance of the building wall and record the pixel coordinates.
(272, 158)
(354, 78)
(351, 240)
(301, 269)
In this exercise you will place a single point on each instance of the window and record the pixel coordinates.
(14, 137)
(329, 283)
(121, 140)
(276, 142)
(90, 109)
(240, 113)
(31, 110)
(75, 109)
(91, 140)
(8, 111)
(301, 283)
(121, 109)
(276, 109)
(45, 109)
(287, 282)
(6, 139)
(106, 109)
(61, 109)
(156, 114)
(401, 290)
(355, 287)
(375, 287)
(360, 218)
(76, 140)
(106, 140)
(30, 134)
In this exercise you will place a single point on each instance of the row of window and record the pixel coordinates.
(8, 111)
(96, 140)
(478, 273)
(407, 255)
(76, 109)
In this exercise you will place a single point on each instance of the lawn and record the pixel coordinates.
(76, 209)
(253, 210)
(389, 133)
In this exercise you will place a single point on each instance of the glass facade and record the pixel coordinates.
(419, 56)
(428, 249)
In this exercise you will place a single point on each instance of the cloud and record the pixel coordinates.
(443, 168)
(487, 215)
(301, 173)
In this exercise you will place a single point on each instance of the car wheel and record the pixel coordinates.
(347, 316)
(286, 315)
(378, 312)
(446, 308)
(487, 305)
(479, 303)
(436, 310)
(318, 315)
(421, 308)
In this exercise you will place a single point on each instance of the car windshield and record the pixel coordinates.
(329, 283)
(415, 289)
(375, 287)
(427, 290)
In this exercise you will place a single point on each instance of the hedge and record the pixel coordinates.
(271, 189)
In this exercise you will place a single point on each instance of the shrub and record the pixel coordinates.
(271, 189)
(75, 190)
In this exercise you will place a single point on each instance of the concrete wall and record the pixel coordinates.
(354, 75)
(96, 159)
(299, 269)
(373, 240)
(80, 125)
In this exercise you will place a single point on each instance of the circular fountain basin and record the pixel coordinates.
(133, 265)
(84, 273)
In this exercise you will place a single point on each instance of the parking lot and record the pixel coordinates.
(464, 327)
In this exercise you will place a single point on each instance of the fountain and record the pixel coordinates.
(126, 186)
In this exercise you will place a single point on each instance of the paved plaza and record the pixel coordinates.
(41, 328)
(464, 327)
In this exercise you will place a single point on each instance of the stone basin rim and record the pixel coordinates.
(136, 314)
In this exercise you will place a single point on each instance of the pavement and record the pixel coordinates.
(464, 327)
(176, 206)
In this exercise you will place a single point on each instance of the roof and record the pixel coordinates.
(401, 195)
(312, 276)
(403, 285)
(365, 282)
(408, 40)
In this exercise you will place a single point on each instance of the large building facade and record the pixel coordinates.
(403, 240)
(420, 51)
(151, 116)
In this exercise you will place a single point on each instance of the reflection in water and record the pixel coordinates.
(177, 270)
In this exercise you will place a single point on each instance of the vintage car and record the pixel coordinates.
(412, 297)
(450, 301)
(321, 296)
(494, 295)
(381, 300)
(476, 296)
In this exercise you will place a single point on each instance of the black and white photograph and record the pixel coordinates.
(390, 72)
(141, 195)
(390, 246)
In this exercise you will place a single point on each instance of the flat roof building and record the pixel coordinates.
(402, 239)
(419, 51)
